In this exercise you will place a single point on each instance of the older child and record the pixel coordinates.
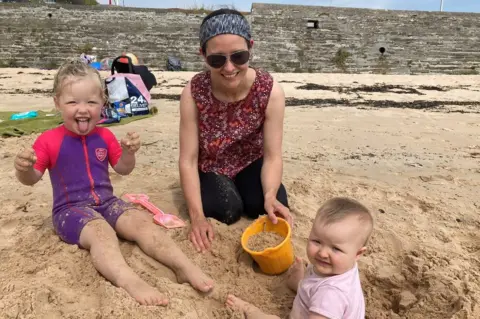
(85, 211)
(330, 286)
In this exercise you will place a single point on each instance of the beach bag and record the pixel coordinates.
(173, 64)
(109, 115)
(123, 64)
(127, 94)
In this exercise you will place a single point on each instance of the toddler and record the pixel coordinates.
(85, 211)
(330, 286)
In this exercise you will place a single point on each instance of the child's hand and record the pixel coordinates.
(25, 160)
(131, 142)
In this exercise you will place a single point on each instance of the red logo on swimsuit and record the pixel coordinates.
(101, 154)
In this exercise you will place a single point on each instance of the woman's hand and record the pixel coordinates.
(201, 234)
(274, 208)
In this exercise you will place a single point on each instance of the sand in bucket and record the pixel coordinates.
(263, 240)
(269, 245)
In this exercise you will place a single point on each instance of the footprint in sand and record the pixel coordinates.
(443, 234)
(7, 228)
(300, 187)
(437, 179)
(470, 242)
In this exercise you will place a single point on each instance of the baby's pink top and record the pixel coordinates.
(334, 297)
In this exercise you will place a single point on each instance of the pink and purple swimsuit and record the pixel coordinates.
(78, 168)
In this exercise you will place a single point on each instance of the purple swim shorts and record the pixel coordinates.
(69, 222)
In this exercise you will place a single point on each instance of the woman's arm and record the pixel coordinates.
(272, 169)
(188, 160)
(273, 134)
(201, 233)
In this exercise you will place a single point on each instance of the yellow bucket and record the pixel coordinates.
(274, 260)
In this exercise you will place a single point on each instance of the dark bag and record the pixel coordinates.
(147, 77)
(174, 64)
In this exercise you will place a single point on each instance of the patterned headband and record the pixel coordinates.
(224, 24)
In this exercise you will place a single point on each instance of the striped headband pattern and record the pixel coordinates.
(224, 24)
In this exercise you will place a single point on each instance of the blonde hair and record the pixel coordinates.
(75, 68)
(339, 208)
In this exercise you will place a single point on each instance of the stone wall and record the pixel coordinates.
(287, 38)
(29, 36)
(350, 40)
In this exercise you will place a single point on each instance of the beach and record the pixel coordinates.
(407, 146)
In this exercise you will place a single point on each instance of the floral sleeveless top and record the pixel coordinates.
(230, 133)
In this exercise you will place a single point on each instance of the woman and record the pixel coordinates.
(231, 127)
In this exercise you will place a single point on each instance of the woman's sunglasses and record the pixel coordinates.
(218, 60)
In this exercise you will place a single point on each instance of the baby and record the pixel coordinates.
(85, 211)
(330, 286)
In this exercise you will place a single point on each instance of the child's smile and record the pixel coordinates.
(333, 249)
(80, 103)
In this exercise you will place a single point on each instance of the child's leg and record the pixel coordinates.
(86, 227)
(137, 225)
(249, 310)
(296, 274)
(100, 238)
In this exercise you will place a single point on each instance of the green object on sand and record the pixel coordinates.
(44, 121)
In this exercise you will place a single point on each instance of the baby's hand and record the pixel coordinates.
(25, 160)
(131, 142)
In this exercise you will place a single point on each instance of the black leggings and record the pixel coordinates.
(226, 200)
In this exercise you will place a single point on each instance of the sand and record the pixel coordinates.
(264, 240)
(416, 169)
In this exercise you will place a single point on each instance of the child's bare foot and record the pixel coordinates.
(296, 273)
(142, 292)
(249, 310)
(193, 275)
